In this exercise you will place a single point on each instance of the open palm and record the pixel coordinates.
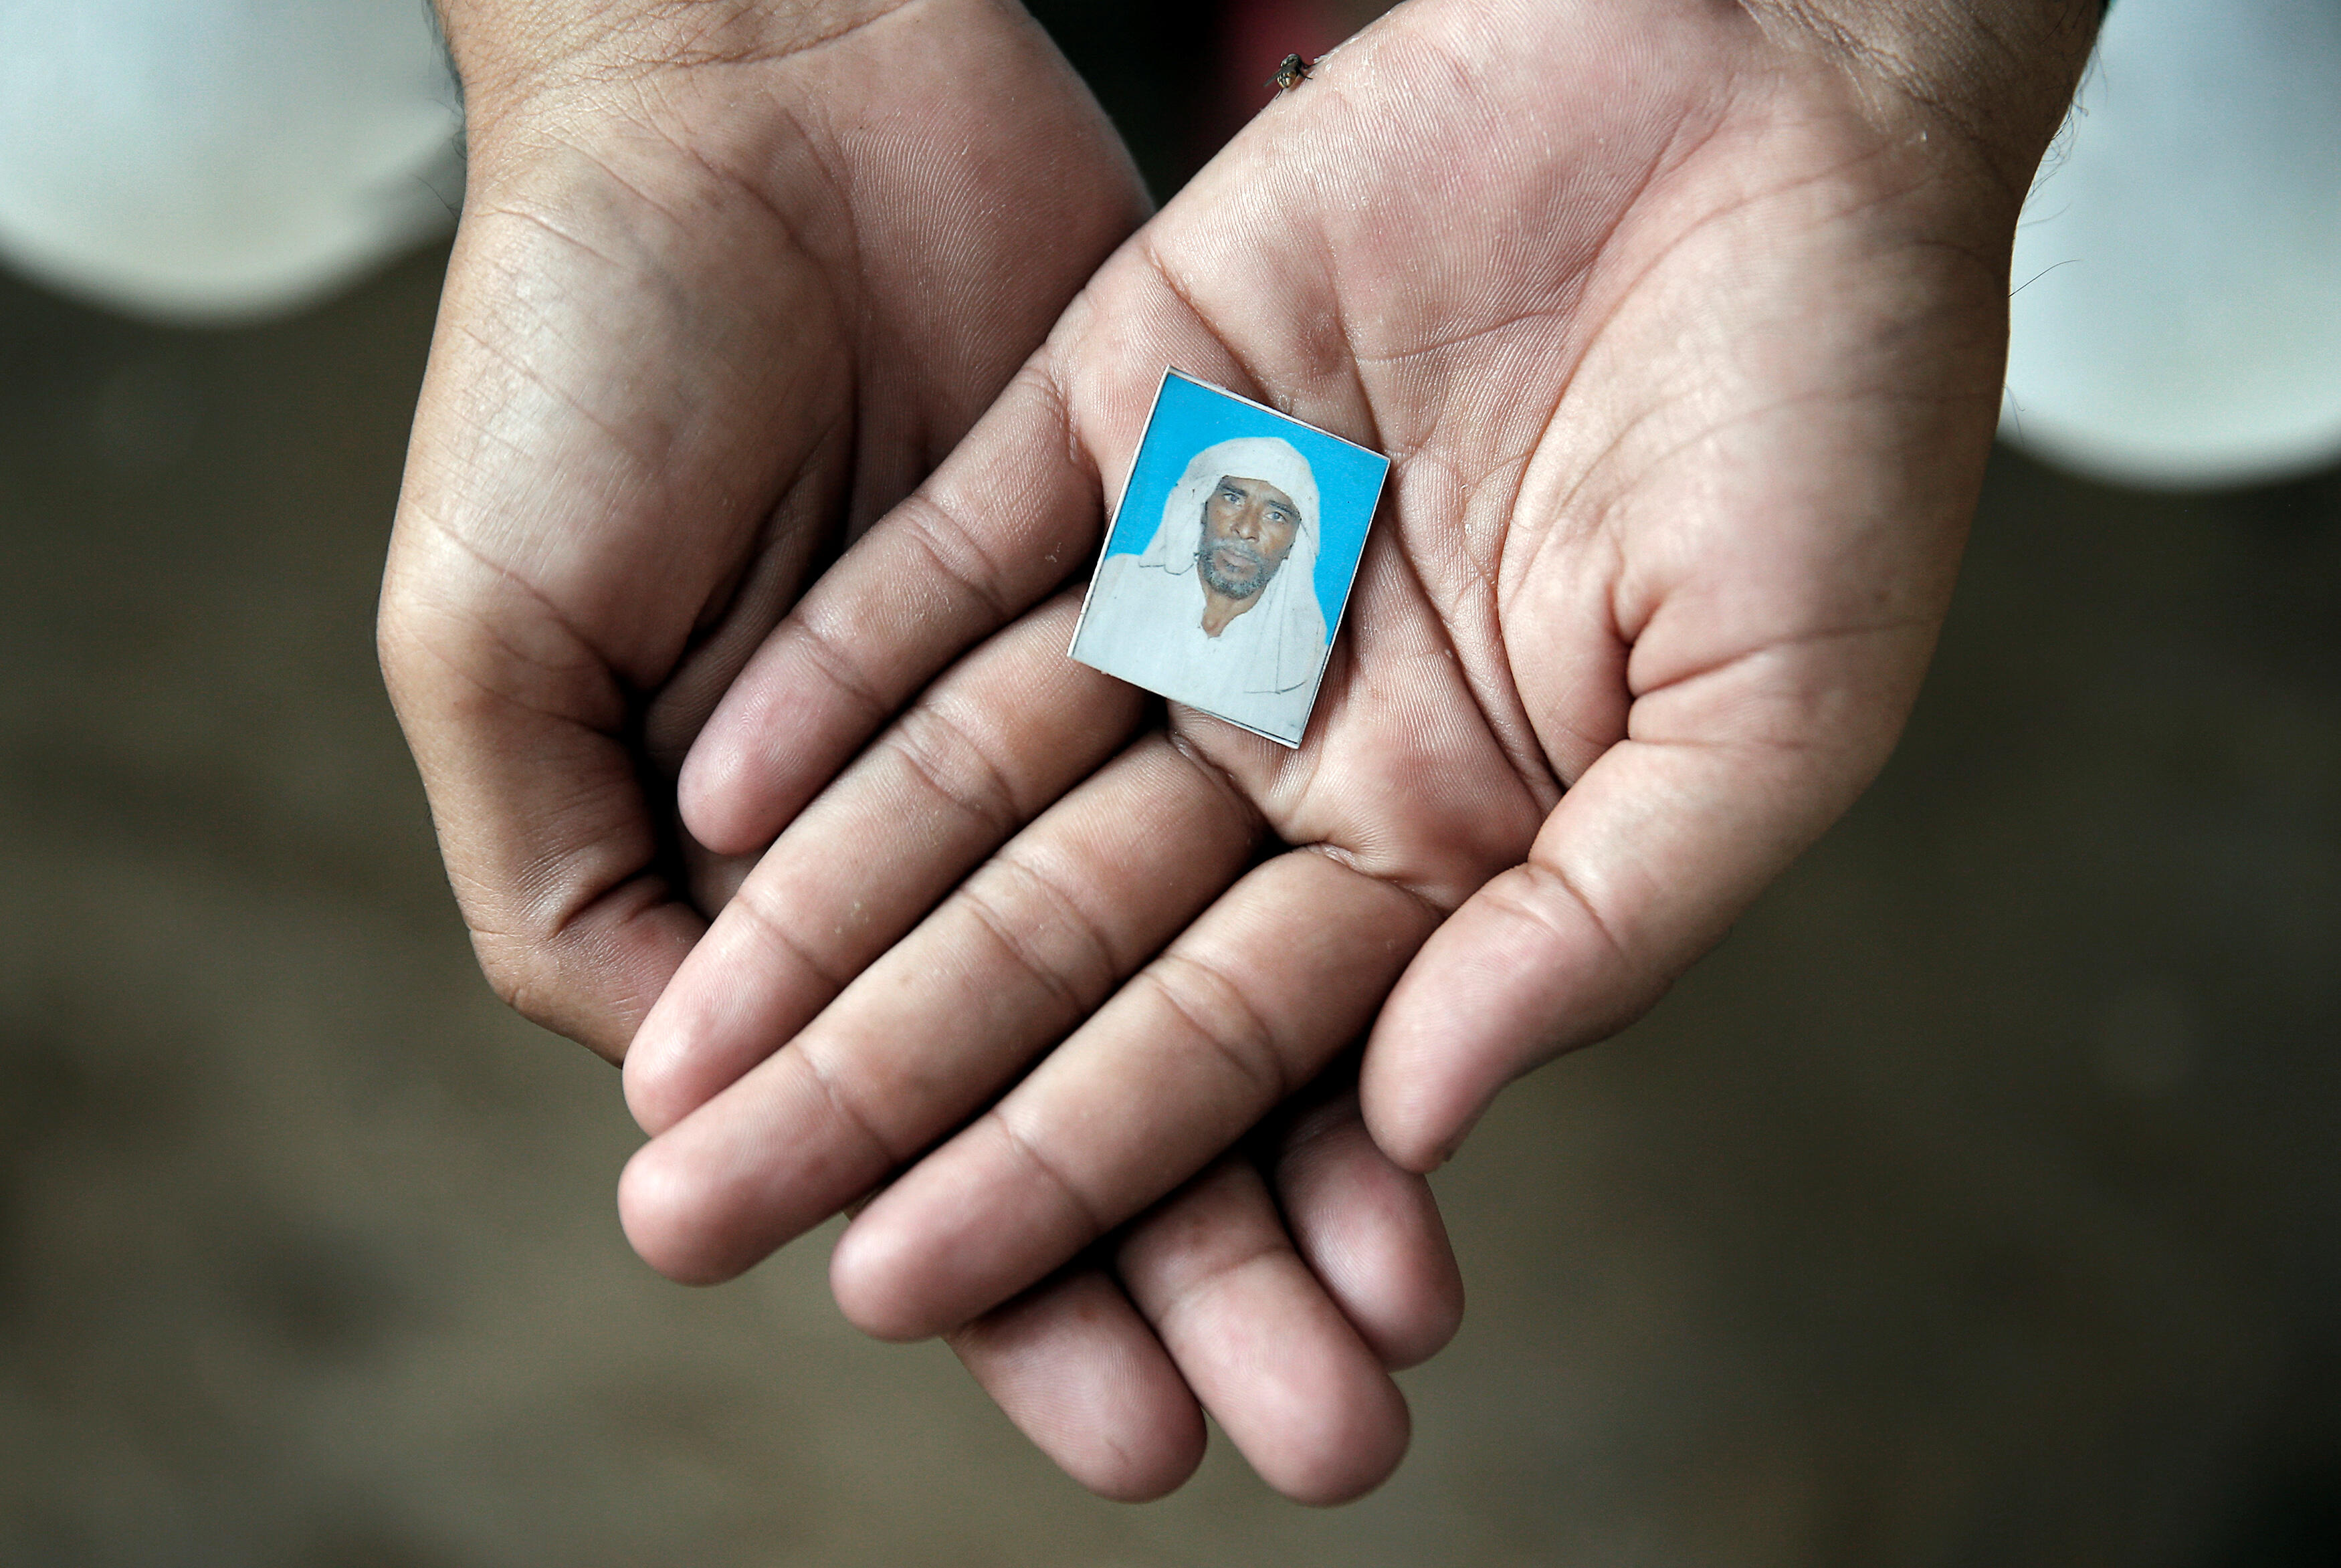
(727, 287)
(708, 305)
(1682, 326)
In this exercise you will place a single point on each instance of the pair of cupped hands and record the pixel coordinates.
(1681, 321)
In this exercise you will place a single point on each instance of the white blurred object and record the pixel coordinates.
(2178, 314)
(220, 160)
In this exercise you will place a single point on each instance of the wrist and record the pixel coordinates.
(511, 53)
(1995, 74)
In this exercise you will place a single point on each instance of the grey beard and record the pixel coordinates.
(1209, 571)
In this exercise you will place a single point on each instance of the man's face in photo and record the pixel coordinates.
(1249, 527)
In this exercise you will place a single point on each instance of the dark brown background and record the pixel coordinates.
(1977, 1203)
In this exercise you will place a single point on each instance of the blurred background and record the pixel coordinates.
(1977, 1203)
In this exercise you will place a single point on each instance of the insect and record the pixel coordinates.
(1291, 73)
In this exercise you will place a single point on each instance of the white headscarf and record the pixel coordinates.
(1281, 640)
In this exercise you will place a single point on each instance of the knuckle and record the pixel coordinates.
(884, 1148)
(1033, 1149)
(833, 659)
(957, 553)
(948, 757)
(521, 973)
(1076, 981)
(1216, 1010)
(783, 946)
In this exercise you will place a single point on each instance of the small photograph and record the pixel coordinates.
(1230, 558)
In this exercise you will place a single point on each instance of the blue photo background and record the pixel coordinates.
(1189, 416)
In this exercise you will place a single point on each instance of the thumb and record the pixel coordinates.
(1640, 869)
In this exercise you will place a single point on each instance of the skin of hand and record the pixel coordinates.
(730, 279)
(1683, 324)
